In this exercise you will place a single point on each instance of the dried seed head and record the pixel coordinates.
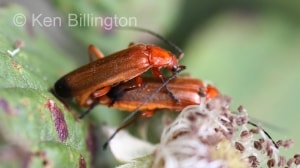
(271, 163)
(290, 162)
(239, 146)
(191, 140)
(192, 118)
(297, 159)
(244, 134)
(241, 120)
(261, 140)
(257, 145)
(253, 161)
(281, 161)
(255, 130)
(287, 143)
(279, 143)
(241, 109)
(269, 151)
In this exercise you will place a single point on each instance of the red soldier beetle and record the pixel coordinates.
(91, 81)
(189, 91)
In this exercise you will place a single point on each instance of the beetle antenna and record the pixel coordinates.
(265, 132)
(170, 43)
(136, 114)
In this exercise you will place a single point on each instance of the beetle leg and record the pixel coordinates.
(116, 92)
(105, 100)
(94, 51)
(95, 98)
(147, 114)
(101, 92)
(158, 74)
(138, 83)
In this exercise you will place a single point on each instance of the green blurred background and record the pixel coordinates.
(249, 49)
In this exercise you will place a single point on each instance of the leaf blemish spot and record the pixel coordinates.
(5, 106)
(43, 156)
(16, 66)
(82, 163)
(58, 119)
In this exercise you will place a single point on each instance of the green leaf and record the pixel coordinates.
(32, 119)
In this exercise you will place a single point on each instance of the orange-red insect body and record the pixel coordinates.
(188, 91)
(95, 79)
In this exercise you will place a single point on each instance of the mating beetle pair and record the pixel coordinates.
(117, 78)
(116, 81)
